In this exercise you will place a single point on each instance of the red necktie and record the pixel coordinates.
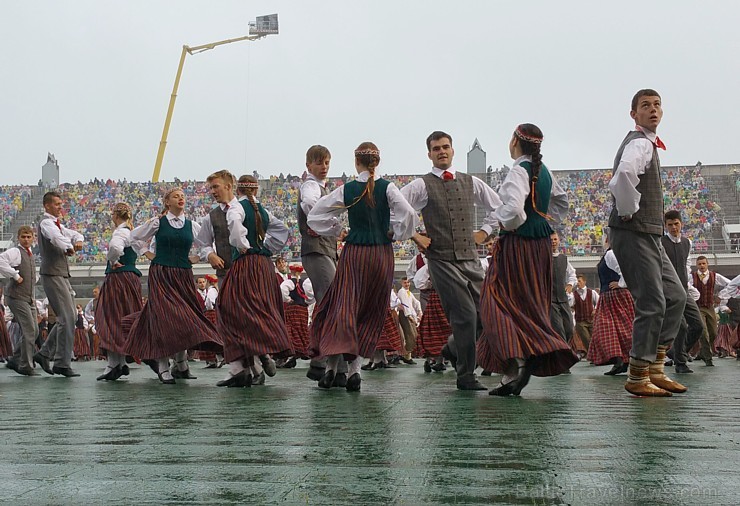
(59, 225)
(29, 252)
(447, 175)
(226, 207)
(659, 144)
(299, 289)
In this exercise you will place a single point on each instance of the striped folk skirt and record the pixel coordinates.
(172, 319)
(120, 296)
(81, 345)
(612, 332)
(390, 337)
(208, 356)
(349, 319)
(434, 329)
(249, 311)
(726, 338)
(6, 347)
(296, 321)
(515, 309)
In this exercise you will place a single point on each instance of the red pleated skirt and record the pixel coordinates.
(515, 309)
(434, 329)
(726, 338)
(81, 345)
(296, 321)
(172, 319)
(612, 332)
(249, 311)
(349, 319)
(6, 347)
(120, 296)
(390, 338)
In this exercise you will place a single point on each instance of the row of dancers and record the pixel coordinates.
(500, 319)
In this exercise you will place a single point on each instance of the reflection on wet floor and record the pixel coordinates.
(407, 438)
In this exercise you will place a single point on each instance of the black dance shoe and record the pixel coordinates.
(427, 366)
(470, 385)
(619, 367)
(340, 380)
(124, 370)
(439, 367)
(368, 366)
(683, 369)
(185, 375)
(447, 354)
(67, 372)
(353, 383)
(153, 365)
(241, 380)
(111, 375)
(515, 386)
(259, 380)
(43, 362)
(25, 371)
(268, 364)
(315, 373)
(327, 380)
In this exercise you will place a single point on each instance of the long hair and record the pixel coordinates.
(530, 139)
(367, 155)
(248, 186)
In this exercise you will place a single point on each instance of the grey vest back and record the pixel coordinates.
(221, 238)
(559, 271)
(678, 254)
(649, 218)
(27, 270)
(323, 245)
(448, 217)
(53, 260)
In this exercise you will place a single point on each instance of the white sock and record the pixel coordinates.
(354, 366)
(512, 373)
(181, 359)
(164, 366)
(166, 375)
(235, 367)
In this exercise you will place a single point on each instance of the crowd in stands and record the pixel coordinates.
(88, 207)
(12, 201)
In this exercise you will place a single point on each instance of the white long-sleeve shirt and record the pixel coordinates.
(611, 261)
(206, 235)
(120, 240)
(288, 286)
(719, 280)
(416, 194)
(410, 305)
(732, 289)
(570, 272)
(61, 237)
(582, 293)
(422, 280)
(324, 217)
(9, 259)
(310, 192)
(514, 192)
(143, 235)
(636, 157)
(211, 296)
(395, 302)
(89, 311)
(276, 233)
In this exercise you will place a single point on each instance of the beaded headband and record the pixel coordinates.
(372, 152)
(171, 191)
(526, 137)
(247, 185)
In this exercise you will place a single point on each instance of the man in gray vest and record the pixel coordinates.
(446, 199)
(20, 296)
(318, 254)
(563, 281)
(56, 243)
(636, 224)
(692, 328)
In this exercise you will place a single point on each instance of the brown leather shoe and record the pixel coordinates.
(668, 384)
(645, 390)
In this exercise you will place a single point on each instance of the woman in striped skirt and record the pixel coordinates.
(349, 319)
(726, 334)
(81, 344)
(434, 329)
(611, 339)
(390, 341)
(297, 297)
(120, 294)
(518, 339)
(172, 320)
(6, 347)
(249, 308)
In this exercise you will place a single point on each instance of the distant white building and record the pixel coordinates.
(476, 159)
(50, 172)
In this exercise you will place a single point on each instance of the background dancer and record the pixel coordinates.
(584, 302)
(297, 297)
(434, 329)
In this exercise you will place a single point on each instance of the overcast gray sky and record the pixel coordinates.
(90, 81)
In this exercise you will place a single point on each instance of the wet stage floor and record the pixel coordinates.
(407, 438)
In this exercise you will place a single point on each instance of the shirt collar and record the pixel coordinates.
(438, 172)
(676, 240)
(363, 176)
(171, 217)
(50, 216)
(233, 202)
(650, 135)
(523, 158)
(314, 178)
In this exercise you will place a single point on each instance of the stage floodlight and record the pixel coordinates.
(264, 25)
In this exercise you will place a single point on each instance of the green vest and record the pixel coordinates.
(128, 259)
(367, 225)
(536, 226)
(250, 223)
(173, 244)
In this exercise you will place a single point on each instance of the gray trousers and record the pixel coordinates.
(458, 285)
(408, 327)
(62, 337)
(691, 330)
(321, 269)
(659, 297)
(424, 299)
(24, 313)
(561, 319)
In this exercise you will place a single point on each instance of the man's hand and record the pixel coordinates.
(78, 246)
(194, 259)
(216, 261)
(20, 280)
(614, 285)
(422, 242)
(479, 236)
(569, 288)
(149, 255)
(70, 252)
(116, 265)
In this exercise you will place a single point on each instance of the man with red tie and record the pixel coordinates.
(56, 243)
(636, 225)
(707, 283)
(19, 265)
